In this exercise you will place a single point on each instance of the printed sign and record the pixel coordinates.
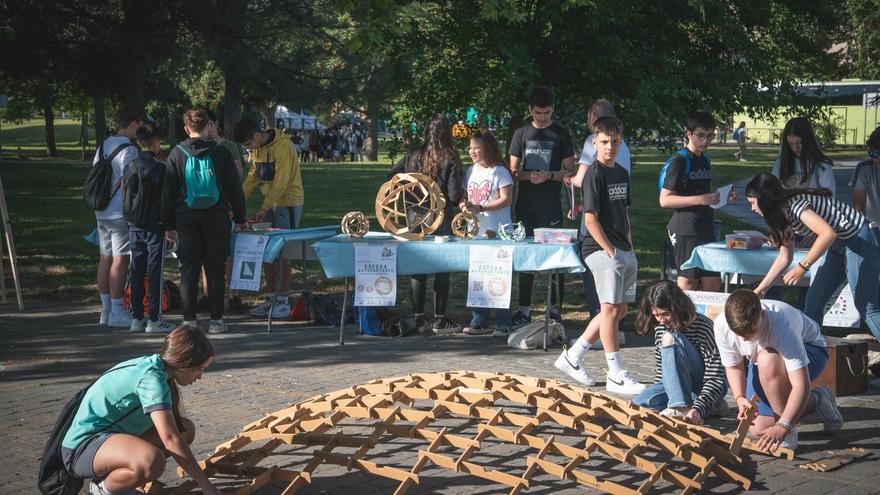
(247, 262)
(710, 304)
(489, 274)
(840, 310)
(375, 274)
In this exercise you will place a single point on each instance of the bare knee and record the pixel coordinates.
(187, 430)
(685, 283)
(770, 363)
(149, 466)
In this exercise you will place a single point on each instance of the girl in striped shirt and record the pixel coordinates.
(689, 380)
(851, 249)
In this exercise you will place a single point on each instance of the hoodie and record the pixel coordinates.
(173, 191)
(275, 167)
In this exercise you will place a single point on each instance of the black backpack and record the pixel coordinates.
(98, 188)
(138, 194)
(53, 477)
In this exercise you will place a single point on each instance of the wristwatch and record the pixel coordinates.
(805, 264)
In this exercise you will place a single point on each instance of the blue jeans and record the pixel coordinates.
(481, 317)
(682, 377)
(146, 261)
(818, 357)
(856, 260)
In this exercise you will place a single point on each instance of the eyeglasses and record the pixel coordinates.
(705, 137)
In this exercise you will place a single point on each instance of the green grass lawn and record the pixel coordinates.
(49, 217)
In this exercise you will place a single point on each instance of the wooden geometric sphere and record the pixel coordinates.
(515, 431)
(410, 206)
(465, 225)
(355, 224)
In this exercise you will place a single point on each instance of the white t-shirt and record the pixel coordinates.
(822, 176)
(588, 155)
(120, 161)
(788, 331)
(483, 185)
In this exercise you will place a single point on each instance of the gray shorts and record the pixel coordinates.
(615, 278)
(284, 217)
(113, 237)
(80, 461)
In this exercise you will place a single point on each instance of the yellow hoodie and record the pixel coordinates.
(275, 167)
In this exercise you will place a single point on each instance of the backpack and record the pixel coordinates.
(531, 336)
(137, 194)
(688, 164)
(737, 133)
(53, 478)
(200, 178)
(98, 187)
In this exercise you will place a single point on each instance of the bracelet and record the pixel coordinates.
(785, 424)
(738, 397)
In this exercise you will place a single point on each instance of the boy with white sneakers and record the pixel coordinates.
(607, 250)
(786, 351)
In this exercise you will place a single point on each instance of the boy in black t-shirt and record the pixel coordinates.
(690, 195)
(607, 250)
(538, 153)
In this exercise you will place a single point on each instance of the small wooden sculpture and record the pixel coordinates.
(410, 206)
(355, 224)
(465, 225)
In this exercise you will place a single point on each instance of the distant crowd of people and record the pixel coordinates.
(329, 145)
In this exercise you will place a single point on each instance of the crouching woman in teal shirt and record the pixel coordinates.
(129, 420)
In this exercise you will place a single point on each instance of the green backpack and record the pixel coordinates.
(200, 179)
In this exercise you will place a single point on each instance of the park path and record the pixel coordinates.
(51, 351)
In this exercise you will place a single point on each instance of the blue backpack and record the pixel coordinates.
(688, 164)
(200, 179)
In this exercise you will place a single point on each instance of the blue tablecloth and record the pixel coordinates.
(278, 238)
(717, 257)
(414, 257)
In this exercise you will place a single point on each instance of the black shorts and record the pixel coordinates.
(682, 248)
(535, 217)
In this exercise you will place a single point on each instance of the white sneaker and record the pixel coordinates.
(102, 320)
(279, 312)
(477, 330)
(575, 370)
(96, 489)
(827, 410)
(137, 326)
(192, 323)
(119, 320)
(674, 412)
(623, 383)
(216, 326)
(160, 326)
(790, 441)
(621, 339)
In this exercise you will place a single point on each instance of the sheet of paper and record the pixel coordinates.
(489, 276)
(723, 193)
(375, 276)
(247, 262)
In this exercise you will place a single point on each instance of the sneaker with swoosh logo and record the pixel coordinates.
(575, 370)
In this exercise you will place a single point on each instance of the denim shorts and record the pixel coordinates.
(818, 357)
(284, 217)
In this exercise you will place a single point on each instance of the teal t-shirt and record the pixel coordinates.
(140, 384)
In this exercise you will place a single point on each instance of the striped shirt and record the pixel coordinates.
(843, 218)
(701, 335)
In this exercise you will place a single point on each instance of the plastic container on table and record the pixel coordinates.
(555, 236)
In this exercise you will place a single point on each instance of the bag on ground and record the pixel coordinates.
(200, 180)
(531, 336)
(98, 188)
(53, 478)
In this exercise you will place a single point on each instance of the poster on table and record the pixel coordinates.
(489, 274)
(840, 310)
(375, 274)
(247, 262)
(710, 304)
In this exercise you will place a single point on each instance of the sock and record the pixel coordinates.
(105, 303)
(614, 364)
(525, 310)
(577, 351)
(116, 306)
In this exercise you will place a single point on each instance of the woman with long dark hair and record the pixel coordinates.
(437, 158)
(129, 420)
(688, 377)
(801, 162)
(843, 236)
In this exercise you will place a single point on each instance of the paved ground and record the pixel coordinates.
(50, 352)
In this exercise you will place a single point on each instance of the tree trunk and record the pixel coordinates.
(371, 143)
(49, 128)
(84, 134)
(269, 115)
(100, 120)
(172, 126)
(136, 38)
(231, 103)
